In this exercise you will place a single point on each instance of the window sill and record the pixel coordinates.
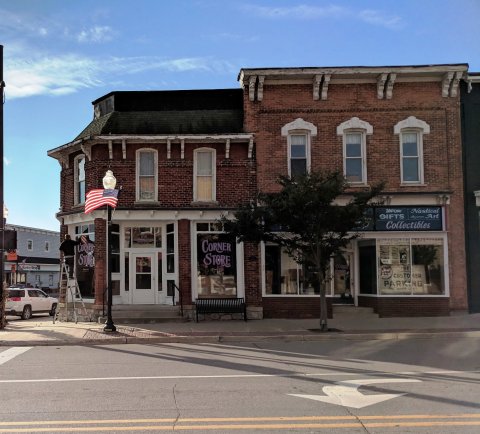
(204, 202)
(358, 184)
(413, 184)
(146, 202)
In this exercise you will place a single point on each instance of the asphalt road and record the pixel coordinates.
(397, 386)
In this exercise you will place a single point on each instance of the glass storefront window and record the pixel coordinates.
(284, 276)
(85, 260)
(216, 263)
(410, 266)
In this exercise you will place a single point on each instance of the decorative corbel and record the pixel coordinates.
(386, 200)
(64, 161)
(261, 79)
(317, 79)
(169, 149)
(250, 148)
(455, 83)
(447, 79)
(110, 149)
(124, 149)
(87, 150)
(390, 83)
(381, 79)
(251, 87)
(443, 199)
(201, 213)
(227, 149)
(326, 82)
(182, 149)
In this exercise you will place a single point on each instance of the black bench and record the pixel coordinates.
(221, 305)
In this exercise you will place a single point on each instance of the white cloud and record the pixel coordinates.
(300, 11)
(6, 161)
(307, 12)
(378, 18)
(67, 74)
(97, 34)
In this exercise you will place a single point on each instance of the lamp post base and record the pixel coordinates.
(109, 327)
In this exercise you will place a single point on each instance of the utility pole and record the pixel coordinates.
(2, 220)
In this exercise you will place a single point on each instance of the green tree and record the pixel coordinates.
(312, 218)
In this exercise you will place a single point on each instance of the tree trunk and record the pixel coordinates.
(323, 301)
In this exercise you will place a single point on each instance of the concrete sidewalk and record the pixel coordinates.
(42, 331)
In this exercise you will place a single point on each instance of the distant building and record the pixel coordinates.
(36, 260)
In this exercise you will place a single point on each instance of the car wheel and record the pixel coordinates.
(53, 309)
(27, 312)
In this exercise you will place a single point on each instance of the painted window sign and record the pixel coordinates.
(216, 265)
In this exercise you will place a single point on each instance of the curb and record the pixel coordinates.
(199, 339)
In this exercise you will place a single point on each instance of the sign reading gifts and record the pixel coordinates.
(403, 218)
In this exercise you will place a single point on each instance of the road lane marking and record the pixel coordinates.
(11, 353)
(182, 377)
(346, 393)
(246, 419)
(282, 423)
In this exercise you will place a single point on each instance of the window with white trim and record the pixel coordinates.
(299, 134)
(204, 175)
(411, 131)
(79, 191)
(147, 174)
(354, 133)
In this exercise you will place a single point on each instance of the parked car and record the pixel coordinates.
(24, 302)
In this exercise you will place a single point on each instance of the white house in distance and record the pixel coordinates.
(36, 260)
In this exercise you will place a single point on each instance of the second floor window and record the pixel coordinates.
(146, 175)
(299, 134)
(298, 154)
(80, 180)
(204, 182)
(29, 244)
(354, 157)
(411, 132)
(410, 157)
(354, 132)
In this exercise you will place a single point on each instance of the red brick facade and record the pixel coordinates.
(242, 170)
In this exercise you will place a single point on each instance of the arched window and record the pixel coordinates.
(79, 188)
(354, 133)
(299, 133)
(411, 131)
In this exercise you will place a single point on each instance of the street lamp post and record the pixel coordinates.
(109, 182)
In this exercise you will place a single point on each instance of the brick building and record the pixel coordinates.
(184, 158)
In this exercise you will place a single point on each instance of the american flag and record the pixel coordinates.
(99, 197)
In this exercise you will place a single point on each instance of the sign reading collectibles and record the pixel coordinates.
(404, 218)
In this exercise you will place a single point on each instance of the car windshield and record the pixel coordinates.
(16, 293)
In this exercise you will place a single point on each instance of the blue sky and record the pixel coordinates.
(60, 55)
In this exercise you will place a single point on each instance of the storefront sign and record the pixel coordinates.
(216, 252)
(420, 218)
(403, 218)
(28, 267)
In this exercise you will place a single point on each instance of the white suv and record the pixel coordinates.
(24, 302)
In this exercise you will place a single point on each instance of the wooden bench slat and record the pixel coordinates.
(220, 305)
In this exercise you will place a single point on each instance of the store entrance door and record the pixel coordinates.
(143, 274)
(343, 288)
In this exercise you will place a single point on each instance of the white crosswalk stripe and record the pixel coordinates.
(11, 353)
